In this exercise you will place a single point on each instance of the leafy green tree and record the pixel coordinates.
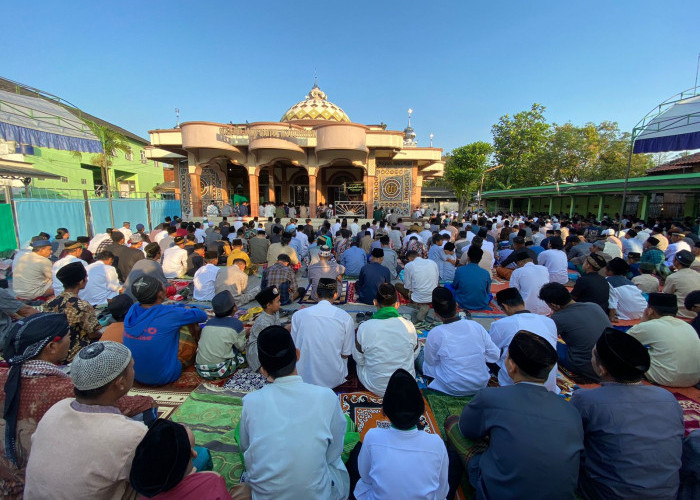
(465, 167)
(519, 144)
(591, 153)
(112, 143)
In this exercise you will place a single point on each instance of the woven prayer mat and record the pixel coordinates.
(343, 299)
(167, 401)
(352, 383)
(244, 381)
(365, 410)
(189, 380)
(212, 414)
(691, 412)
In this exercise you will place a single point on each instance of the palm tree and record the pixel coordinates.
(112, 142)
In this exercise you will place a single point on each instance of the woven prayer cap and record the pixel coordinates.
(97, 364)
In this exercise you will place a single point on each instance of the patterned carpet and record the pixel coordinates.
(365, 411)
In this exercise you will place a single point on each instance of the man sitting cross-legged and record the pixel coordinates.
(87, 434)
(519, 318)
(32, 385)
(282, 276)
(324, 335)
(633, 431)
(673, 345)
(385, 343)
(234, 280)
(579, 324)
(152, 332)
(536, 437)
(456, 352)
(291, 432)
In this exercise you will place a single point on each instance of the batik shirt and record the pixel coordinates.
(43, 384)
(82, 321)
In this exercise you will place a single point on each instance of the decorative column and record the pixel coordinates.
(196, 186)
(254, 192)
(271, 185)
(529, 206)
(643, 209)
(601, 202)
(312, 193)
(415, 191)
(551, 205)
(571, 208)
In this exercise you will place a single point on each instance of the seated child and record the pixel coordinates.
(269, 299)
(205, 277)
(222, 341)
(118, 307)
(646, 281)
(626, 300)
(166, 464)
(403, 443)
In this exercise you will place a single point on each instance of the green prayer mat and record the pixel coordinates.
(444, 405)
(212, 416)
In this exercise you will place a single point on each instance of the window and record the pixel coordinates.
(83, 181)
(129, 155)
(64, 179)
(24, 149)
(143, 157)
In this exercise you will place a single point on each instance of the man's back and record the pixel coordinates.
(456, 355)
(78, 434)
(387, 345)
(557, 265)
(503, 330)
(528, 280)
(353, 259)
(580, 325)
(323, 333)
(536, 441)
(674, 349)
(472, 285)
(421, 276)
(292, 437)
(633, 441)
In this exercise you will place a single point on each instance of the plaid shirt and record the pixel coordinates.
(277, 275)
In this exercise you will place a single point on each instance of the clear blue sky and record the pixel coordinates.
(460, 65)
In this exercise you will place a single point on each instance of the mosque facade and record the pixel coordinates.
(314, 155)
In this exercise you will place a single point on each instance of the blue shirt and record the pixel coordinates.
(472, 286)
(536, 248)
(535, 446)
(371, 276)
(633, 441)
(153, 336)
(353, 259)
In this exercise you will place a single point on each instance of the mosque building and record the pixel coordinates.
(314, 155)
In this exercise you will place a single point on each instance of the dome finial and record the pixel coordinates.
(315, 79)
(410, 112)
(409, 135)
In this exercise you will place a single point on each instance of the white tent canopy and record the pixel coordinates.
(673, 126)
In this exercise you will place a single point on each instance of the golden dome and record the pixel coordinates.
(315, 107)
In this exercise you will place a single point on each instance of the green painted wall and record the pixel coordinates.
(144, 175)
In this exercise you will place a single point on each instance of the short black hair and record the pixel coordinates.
(556, 243)
(475, 254)
(555, 293)
(386, 295)
(104, 255)
(283, 257)
(211, 255)
(509, 297)
(152, 249)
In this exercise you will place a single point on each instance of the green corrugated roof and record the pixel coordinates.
(678, 181)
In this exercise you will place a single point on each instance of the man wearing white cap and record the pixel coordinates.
(102, 373)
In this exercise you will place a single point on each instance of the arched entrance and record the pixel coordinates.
(344, 189)
(238, 184)
(299, 189)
